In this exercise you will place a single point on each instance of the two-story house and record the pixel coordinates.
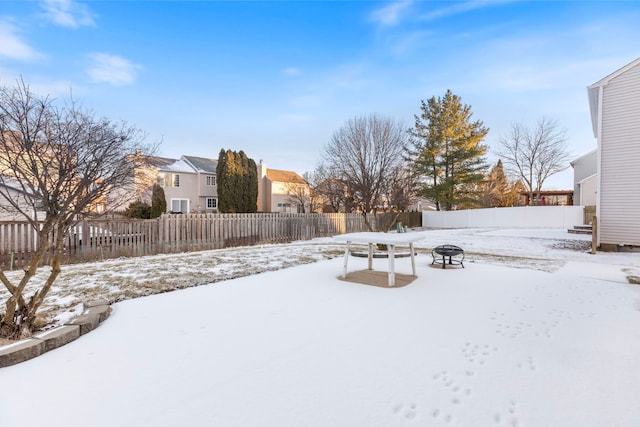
(189, 183)
(206, 185)
(190, 186)
(281, 191)
(614, 102)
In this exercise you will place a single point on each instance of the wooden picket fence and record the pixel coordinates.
(100, 239)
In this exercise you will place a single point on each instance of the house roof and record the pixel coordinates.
(584, 156)
(158, 162)
(276, 175)
(593, 92)
(550, 192)
(13, 184)
(202, 164)
(178, 166)
(605, 81)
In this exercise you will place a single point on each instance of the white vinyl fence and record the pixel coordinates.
(518, 217)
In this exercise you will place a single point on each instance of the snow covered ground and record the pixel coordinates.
(533, 332)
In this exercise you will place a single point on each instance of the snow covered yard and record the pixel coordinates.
(552, 342)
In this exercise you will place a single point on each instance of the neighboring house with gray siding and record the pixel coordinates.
(189, 183)
(180, 184)
(585, 173)
(12, 192)
(614, 102)
(207, 188)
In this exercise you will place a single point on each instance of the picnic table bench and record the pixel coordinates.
(445, 251)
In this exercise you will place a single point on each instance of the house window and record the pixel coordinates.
(212, 203)
(176, 180)
(211, 180)
(179, 205)
(284, 207)
(161, 180)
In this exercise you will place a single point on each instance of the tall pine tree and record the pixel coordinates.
(448, 152)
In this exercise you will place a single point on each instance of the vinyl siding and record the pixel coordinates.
(584, 167)
(620, 160)
(188, 189)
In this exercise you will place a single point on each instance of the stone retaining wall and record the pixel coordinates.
(95, 312)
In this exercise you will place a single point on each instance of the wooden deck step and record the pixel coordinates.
(581, 229)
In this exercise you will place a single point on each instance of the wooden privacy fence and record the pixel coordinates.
(100, 239)
(589, 213)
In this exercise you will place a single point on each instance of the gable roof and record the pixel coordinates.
(202, 164)
(178, 166)
(276, 175)
(605, 81)
(14, 184)
(584, 156)
(593, 91)
(159, 162)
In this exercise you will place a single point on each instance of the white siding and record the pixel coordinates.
(583, 167)
(188, 189)
(620, 160)
(588, 188)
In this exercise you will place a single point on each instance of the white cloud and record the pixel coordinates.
(112, 69)
(292, 71)
(68, 13)
(391, 14)
(455, 8)
(12, 46)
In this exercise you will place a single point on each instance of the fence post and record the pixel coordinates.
(594, 234)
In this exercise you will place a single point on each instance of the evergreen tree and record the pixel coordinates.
(512, 197)
(223, 179)
(252, 187)
(139, 210)
(449, 152)
(237, 179)
(496, 188)
(158, 201)
(243, 187)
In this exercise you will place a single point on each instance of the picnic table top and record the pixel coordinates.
(392, 238)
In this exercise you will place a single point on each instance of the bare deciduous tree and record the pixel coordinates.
(401, 187)
(299, 194)
(314, 199)
(331, 193)
(61, 160)
(363, 154)
(533, 155)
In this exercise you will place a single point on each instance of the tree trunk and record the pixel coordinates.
(16, 321)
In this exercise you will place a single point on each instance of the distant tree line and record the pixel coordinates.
(374, 163)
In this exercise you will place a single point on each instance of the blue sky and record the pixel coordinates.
(277, 79)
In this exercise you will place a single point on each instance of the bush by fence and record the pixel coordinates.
(100, 239)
